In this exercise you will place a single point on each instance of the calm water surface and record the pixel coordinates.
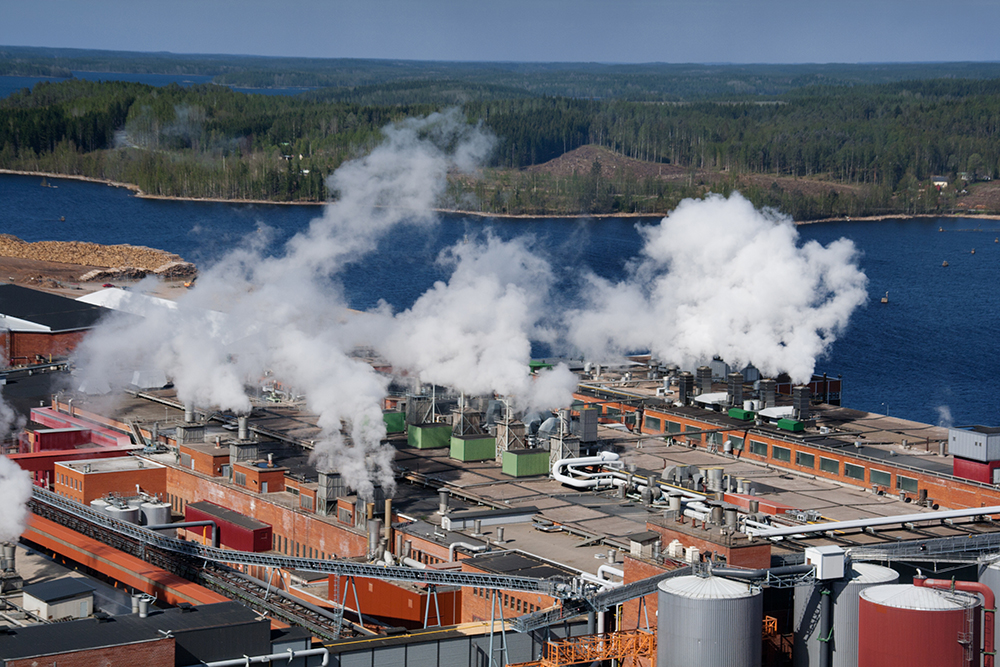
(933, 346)
(11, 84)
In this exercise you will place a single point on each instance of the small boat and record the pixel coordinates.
(973, 251)
(940, 229)
(62, 218)
(944, 263)
(885, 299)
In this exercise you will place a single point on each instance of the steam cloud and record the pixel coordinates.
(286, 314)
(717, 277)
(15, 483)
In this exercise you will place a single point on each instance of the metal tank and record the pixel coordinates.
(990, 575)
(100, 505)
(708, 621)
(155, 514)
(129, 514)
(903, 625)
(845, 592)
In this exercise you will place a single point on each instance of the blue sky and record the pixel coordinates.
(748, 31)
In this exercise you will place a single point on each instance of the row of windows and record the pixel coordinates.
(281, 544)
(832, 466)
(509, 601)
(71, 482)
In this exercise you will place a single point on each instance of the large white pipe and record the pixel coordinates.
(567, 471)
(466, 545)
(413, 563)
(288, 655)
(604, 570)
(878, 521)
(603, 583)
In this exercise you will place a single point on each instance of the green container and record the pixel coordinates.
(740, 413)
(428, 436)
(791, 425)
(535, 366)
(473, 447)
(395, 422)
(526, 462)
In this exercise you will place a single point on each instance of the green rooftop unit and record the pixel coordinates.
(428, 436)
(791, 425)
(741, 414)
(395, 422)
(526, 462)
(473, 447)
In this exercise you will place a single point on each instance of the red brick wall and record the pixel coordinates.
(152, 653)
(24, 346)
(97, 485)
(292, 525)
(476, 602)
(205, 463)
(751, 556)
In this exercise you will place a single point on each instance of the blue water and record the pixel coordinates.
(933, 345)
(12, 84)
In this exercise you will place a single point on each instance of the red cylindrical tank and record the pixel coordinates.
(904, 625)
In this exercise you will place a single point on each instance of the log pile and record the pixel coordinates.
(121, 262)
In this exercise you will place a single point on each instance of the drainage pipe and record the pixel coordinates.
(288, 655)
(989, 607)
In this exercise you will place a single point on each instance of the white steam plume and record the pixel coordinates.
(15, 483)
(718, 277)
(474, 332)
(286, 314)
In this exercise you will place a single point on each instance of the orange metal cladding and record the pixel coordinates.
(626, 647)
(117, 565)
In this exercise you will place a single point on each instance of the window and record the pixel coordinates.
(829, 465)
(306, 502)
(714, 438)
(880, 477)
(673, 427)
(781, 454)
(805, 460)
(758, 448)
(653, 424)
(906, 484)
(854, 472)
(737, 442)
(612, 412)
(240, 478)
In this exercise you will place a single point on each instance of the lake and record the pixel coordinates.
(11, 84)
(932, 347)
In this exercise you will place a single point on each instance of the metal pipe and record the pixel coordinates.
(406, 560)
(189, 524)
(465, 545)
(740, 573)
(989, 607)
(288, 655)
(825, 627)
(605, 570)
(877, 521)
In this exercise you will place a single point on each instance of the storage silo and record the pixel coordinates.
(990, 575)
(155, 514)
(708, 621)
(127, 513)
(902, 625)
(845, 593)
(100, 505)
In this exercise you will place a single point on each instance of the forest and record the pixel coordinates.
(812, 150)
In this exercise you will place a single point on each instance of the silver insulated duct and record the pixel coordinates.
(768, 392)
(703, 376)
(734, 388)
(800, 402)
(243, 432)
(188, 413)
(845, 593)
(708, 621)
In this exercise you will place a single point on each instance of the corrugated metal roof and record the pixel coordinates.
(226, 514)
(58, 313)
(906, 596)
(706, 588)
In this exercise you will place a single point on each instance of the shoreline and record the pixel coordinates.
(479, 214)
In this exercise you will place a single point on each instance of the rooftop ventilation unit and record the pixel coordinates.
(703, 376)
(800, 402)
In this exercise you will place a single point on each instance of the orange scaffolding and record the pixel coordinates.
(626, 647)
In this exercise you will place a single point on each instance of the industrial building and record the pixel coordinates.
(665, 517)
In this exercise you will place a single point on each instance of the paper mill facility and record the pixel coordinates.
(667, 516)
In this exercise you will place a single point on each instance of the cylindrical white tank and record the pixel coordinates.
(129, 514)
(708, 621)
(845, 592)
(990, 575)
(154, 514)
(99, 505)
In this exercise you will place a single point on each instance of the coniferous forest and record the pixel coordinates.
(812, 143)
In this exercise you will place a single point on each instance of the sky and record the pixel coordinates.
(610, 31)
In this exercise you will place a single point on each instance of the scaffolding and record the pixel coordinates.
(626, 647)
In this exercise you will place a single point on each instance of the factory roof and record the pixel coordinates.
(116, 464)
(518, 564)
(226, 514)
(95, 633)
(23, 309)
(57, 590)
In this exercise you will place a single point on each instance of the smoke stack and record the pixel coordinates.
(144, 606)
(685, 387)
(188, 413)
(443, 495)
(735, 390)
(768, 391)
(374, 535)
(703, 376)
(564, 422)
(388, 524)
(243, 433)
(800, 402)
(270, 460)
(9, 555)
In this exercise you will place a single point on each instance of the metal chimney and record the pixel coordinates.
(243, 433)
(703, 376)
(443, 495)
(188, 413)
(768, 391)
(685, 387)
(735, 389)
(800, 402)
